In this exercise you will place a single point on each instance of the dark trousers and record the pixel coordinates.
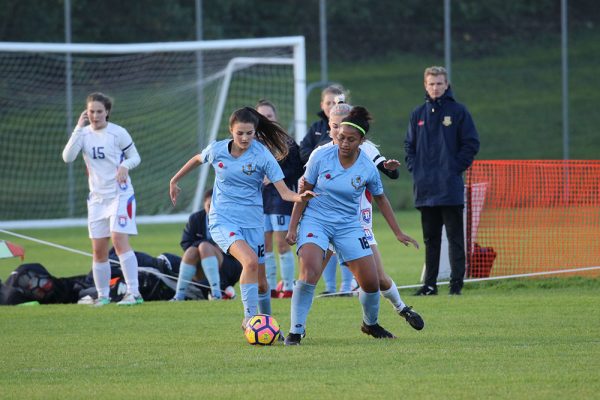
(432, 220)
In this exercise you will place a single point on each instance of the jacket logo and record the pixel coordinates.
(447, 121)
(358, 182)
(249, 169)
(421, 123)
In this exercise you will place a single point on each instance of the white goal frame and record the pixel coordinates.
(297, 60)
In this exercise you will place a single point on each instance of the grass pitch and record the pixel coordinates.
(533, 339)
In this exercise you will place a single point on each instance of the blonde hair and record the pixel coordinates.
(435, 71)
(341, 108)
(336, 90)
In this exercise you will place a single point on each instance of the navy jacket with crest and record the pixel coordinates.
(441, 143)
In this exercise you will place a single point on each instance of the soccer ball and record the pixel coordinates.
(262, 329)
(35, 285)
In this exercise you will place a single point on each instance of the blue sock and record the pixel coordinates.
(329, 275)
(210, 266)
(286, 260)
(271, 270)
(264, 302)
(346, 284)
(186, 273)
(370, 305)
(249, 298)
(301, 302)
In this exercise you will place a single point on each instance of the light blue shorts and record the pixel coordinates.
(225, 235)
(349, 241)
(276, 222)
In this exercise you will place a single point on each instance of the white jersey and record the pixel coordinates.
(103, 151)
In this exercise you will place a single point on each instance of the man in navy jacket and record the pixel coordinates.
(441, 143)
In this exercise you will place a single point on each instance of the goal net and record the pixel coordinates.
(532, 217)
(173, 98)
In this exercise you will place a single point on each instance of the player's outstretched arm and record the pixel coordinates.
(297, 212)
(188, 166)
(289, 195)
(387, 212)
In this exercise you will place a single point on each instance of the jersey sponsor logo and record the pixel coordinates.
(122, 221)
(447, 120)
(248, 169)
(358, 182)
(365, 215)
(368, 234)
(421, 123)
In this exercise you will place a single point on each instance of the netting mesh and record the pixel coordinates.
(159, 99)
(532, 216)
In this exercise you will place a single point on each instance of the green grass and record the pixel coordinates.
(533, 339)
(521, 343)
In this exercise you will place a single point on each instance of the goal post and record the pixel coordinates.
(156, 89)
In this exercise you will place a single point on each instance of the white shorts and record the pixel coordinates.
(112, 215)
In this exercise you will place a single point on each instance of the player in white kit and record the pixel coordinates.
(109, 153)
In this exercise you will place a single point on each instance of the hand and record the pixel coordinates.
(291, 237)
(391, 164)
(406, 240)
(174, 192)
(122, 174)
(266, 181)
(307, 195)
(83, 119)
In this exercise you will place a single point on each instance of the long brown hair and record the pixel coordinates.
(269, 133)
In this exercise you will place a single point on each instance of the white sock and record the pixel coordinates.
(210, 266)
(129, 266)
(101, 272)
(286, 261)
(393, 295)
(271, 270)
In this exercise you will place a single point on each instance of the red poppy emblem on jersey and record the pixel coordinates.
(328, 176)
(220, 165)
(310, 234)
(231, 234)
(421, 123)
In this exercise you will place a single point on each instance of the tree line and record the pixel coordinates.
(356, 28)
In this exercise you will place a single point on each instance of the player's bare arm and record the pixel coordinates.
(188, 166)
(387, 212)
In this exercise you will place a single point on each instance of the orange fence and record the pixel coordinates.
(532, 216)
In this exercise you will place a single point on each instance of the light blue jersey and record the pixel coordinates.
(237, 196)
(340, 189)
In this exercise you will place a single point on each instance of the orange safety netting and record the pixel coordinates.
(532, 216)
